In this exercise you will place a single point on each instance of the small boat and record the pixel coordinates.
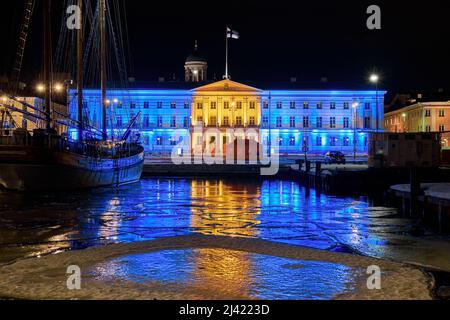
(43, 160)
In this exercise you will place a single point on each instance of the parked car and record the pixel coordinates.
(334, 157)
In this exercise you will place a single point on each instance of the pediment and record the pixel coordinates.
(227, 86)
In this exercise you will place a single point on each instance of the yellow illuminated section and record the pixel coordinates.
(224, 209)
(225, 105)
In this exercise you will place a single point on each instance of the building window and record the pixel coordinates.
(367, 123)
(173, 122)
(252, 121)
(119, 121)
(319, 105)
(305, 122)
(333, 105)
(226, 121)
(186, 122)
(441, 128)
(318, 141)
(132, 105)
(333, 122)
(146, 105)
(213, 121)
(305, 145)
(239, 105)
(346, 142)
(428, 129)
(367, 106)
(239, 121)
(265, 121)
(292, 122)
(252, 105)
(213, 105)
(292, 105)
(159, 122)
(280, 141)
(159, 105)
(226, 105)
(427, 113)
(305, 105)
(146, 121)
(292, 141)
(441, 113)
(346, 123)
(346, 105)
(279, 122)
(279, 105)
(266, 104)
(319, 122)
(159, 141)
(333, 141)
(173, 142)
(199, 106)
(186, 105)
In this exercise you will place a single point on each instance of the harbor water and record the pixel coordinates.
(275, 212)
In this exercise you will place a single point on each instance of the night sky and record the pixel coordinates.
(279, 40)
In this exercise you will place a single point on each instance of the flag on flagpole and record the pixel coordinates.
(232, 34)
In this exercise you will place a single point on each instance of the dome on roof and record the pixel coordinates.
(195, 56)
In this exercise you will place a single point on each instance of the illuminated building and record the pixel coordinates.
(17, 119)
(298, 120)
(421, 117)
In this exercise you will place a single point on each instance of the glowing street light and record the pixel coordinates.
(58, 87)
(374, 78)
(40, 88)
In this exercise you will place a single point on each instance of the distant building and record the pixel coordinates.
(10, 119)
(421, 117)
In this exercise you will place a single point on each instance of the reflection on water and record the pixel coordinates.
(232, 273)
(279, 211)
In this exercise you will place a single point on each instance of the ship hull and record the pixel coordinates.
(33, 170)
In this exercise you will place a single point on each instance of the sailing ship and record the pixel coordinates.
(45, 160)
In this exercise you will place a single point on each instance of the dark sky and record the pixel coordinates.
(279, 39)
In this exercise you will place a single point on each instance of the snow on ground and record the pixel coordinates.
(435, 190)
(45, 278)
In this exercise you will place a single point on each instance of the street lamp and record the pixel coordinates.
(374, 78)
(40, 88)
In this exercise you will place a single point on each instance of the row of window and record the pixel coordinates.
(318, 124)
(252, 122)
(226, 105)
(319, 105)
(252, 105)
(291, 141)
(159, 105)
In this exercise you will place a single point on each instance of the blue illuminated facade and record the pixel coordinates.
(301, 120)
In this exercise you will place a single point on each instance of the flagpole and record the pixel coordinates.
(226, 53)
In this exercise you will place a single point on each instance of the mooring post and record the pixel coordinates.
(415, 191)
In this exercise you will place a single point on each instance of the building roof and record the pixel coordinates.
(195, 56)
